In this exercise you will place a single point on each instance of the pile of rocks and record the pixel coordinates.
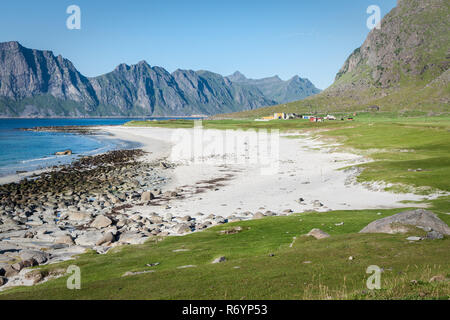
(63, 212)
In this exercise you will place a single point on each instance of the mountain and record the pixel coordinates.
(35, 83)
(402, 67)
(27, 73)
(409, 54)
(278, 90)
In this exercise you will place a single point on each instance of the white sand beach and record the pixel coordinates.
(308, 169)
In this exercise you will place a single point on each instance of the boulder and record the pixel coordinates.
(88, 238)
(78, 216)
(64, 240)
(185, 218)
(29, 263)
(433, 235)
(170, 194)
(35, 275)
(9, 271)
(164, 165)
(219, 260)
(121, 223)
(317, 203)
(156, 220)
(182, 228)
(64, 153)
(258, 215)
(3, 280)
(318, 234)
(101, 222)
(220, 220)
(131, 237)
(17, 266)
(40, 256)
(147, 196)
(106, 239)
(418, 218)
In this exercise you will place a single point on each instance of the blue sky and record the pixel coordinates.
(259, 38)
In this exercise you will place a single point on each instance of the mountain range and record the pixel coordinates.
(36, 83)
(278, 90)
(401, 67)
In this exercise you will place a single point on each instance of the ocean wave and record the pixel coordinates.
(38, 159)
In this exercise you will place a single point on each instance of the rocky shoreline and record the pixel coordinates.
(55, 215)
(78, 129)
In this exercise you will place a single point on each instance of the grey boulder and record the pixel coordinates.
(100, 222)
(147, 196)
(88, 238)
(107, 238)
(40, 256)
(419, 218)
(318, 234)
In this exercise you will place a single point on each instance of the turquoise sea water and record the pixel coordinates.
(28, 150)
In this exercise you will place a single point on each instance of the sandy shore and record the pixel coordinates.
(308, 178)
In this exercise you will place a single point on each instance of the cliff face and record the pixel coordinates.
(36, 83)
(26, 73)
(412, 46)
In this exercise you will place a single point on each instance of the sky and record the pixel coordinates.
(309, 38)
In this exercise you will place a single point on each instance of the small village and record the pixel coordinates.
(311, 118)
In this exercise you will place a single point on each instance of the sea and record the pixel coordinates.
(29, 150)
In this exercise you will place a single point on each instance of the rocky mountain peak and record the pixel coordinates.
(11, 45)
(237, 77)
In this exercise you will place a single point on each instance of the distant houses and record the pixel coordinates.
(280, 116)
(311, 118)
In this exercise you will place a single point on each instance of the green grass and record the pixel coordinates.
(260, 276)
(400, 149)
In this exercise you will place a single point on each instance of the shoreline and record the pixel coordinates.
(51, 162)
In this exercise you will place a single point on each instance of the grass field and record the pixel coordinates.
(311, 269)
(261, 264)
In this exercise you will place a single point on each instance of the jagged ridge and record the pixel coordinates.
(36, 83)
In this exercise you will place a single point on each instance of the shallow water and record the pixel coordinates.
(28, 150)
